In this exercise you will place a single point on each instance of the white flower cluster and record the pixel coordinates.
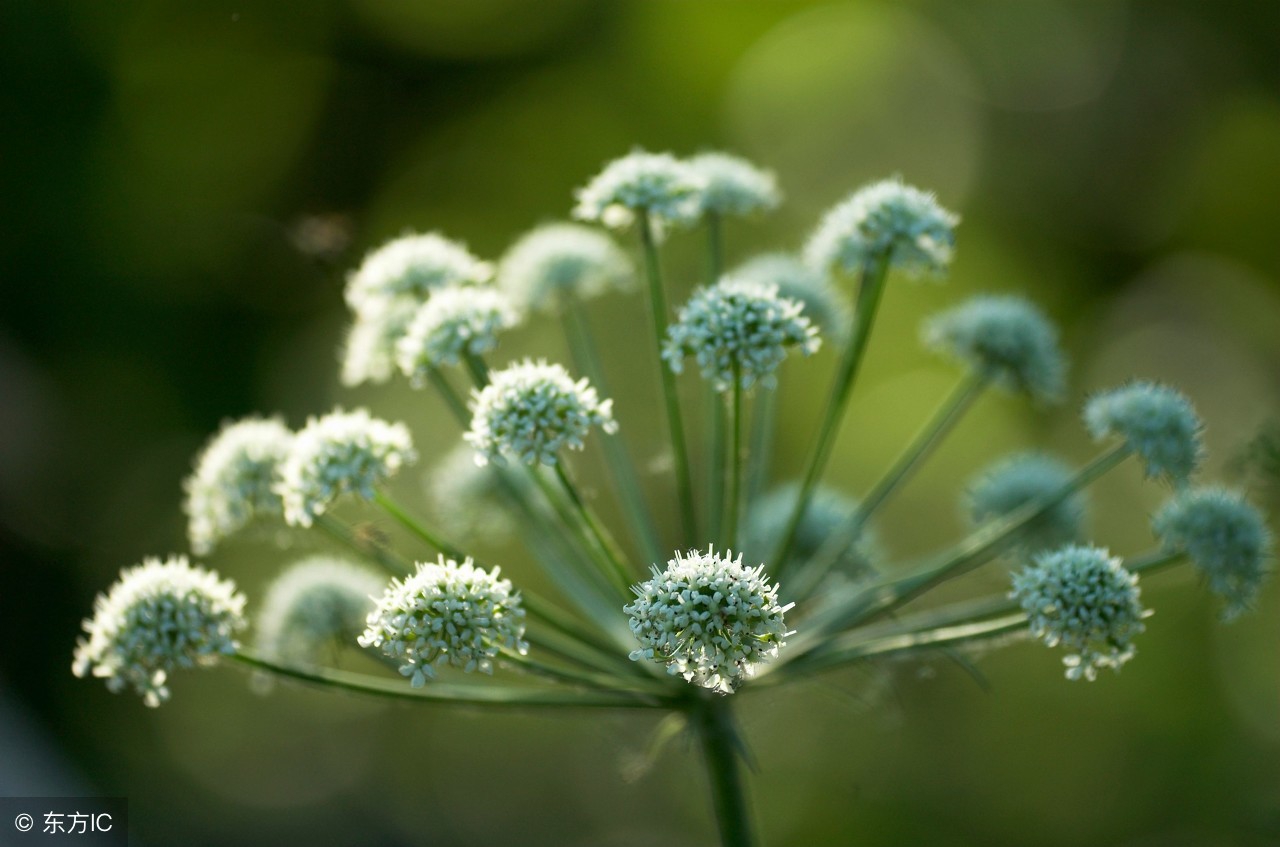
(454, 321)
(234, 480)
(708, 619)
(885, 220)
(665, 188)
(316, 605)
(370, 351)
(339, 453)
(532, 411)
(158, 617)
(734, 186)
(562, 260)
(738, 328)
(812, 289)
(410, 267)
(446, 614)
(1085, 600)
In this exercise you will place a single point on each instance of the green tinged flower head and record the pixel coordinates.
(562, 260)
(409, 268)
(1155, 421)
(1005, 338)
(340, 453)
(708, 619)
(532, 411)
(823, 304)
(886, 220)
(827, 513)
(158, 617)
(316, 606)
(369, 353)
(1083, 599)
(734, 186)
(466, 499)
(738, 328)
(657, 184)
(233, 480)
(1022, 478)
(455, 320)
(446, 614)
(1226, 539)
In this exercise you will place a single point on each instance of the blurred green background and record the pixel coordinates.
(185, 185)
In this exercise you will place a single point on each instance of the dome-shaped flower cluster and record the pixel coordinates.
(1224, 536)
(446, 613)
(315, 606)
(158, 617)
(1005, 338)
(656, 184)
(234, 480)
(1157, 422)
(886, 220)
(734, 186)
(532, 411)
(1013, 482)
(825, 306)
(455, 320)
(409, 268)
(369, 352)
(827, 514)
(562, 260)
(708, 619)
(1083, 599)
(738, 329)
(340, 453)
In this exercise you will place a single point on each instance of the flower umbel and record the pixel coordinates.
(1157, 422)
(734, 186)
(233, 480)
(446, 613)
(562, 260)
(708, 619)
(1005, 338)
(738, 328)
(889, 221)
(369, 353)
(826, 307)
(454, 321)
(657, 184)
(1224, 536)
(410, 267)
(1083, 599)
(317, 605)
(1023, 478)
(158, 617)
(532, 411)
(340, 453)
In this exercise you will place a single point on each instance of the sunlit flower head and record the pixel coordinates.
(1013, 482)
(160, 616)
(233, 480)
(455, 321)
(1083, 599)
(656, 184)
(884, 221)
(369, 353)
(410, 267)
(315, 607)
(446, 613)
(737, 329)
(1155, 421)
(823, 303)
(708, 619)
(340, 453)
(734, 186)
(562, 260)
(531, 411)
(1005, 338)
(1225, 537)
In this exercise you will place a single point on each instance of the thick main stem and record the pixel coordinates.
(718, 738)
(870, 287)
(671, 397)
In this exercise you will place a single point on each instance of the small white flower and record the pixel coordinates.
(708, 619)
(316, 605)
(532, 411)
(562, 260)
(340, 453)
(410, 267)
(446, 614)
(158, 617)
(734, 186)
(234, 479)
(454, 321)
(658, 184)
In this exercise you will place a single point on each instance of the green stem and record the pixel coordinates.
(671, 397)
(930, 435)
(586, 358)
(715, 247)
(717, 448)
(478, 369)
(734, 460)
(721, 751)
(457, 693)
(451, 398)
(594, 681)
(342, 533)
(599, 534)
(870, 288)
(396, 511)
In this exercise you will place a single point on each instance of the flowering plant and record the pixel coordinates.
(751, 588)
